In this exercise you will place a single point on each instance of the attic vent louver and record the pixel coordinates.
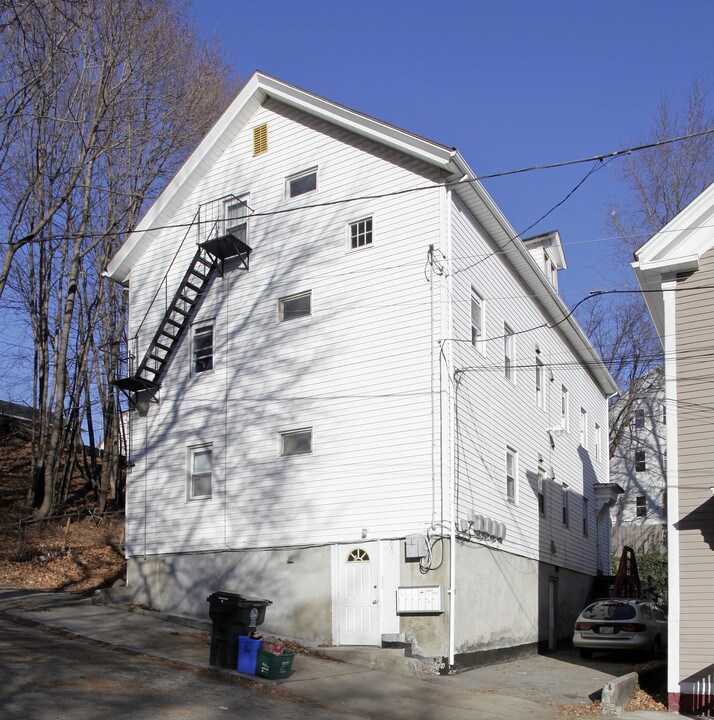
(260, 139)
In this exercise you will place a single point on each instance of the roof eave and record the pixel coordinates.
(506, 238)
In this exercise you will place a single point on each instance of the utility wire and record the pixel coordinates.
(475, 178)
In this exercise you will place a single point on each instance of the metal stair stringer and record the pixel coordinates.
(177, 317)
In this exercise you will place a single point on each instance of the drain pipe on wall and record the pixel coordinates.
(449, 358)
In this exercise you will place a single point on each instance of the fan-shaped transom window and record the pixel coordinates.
(358, 555)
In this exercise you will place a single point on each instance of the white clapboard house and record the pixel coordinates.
(357, 393)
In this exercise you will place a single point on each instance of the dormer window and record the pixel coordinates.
(551, 272)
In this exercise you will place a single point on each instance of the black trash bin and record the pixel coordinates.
(232, 615)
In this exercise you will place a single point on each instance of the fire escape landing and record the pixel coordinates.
(216, 244)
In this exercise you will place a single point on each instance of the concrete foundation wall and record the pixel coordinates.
(502, 604)
(298, 582)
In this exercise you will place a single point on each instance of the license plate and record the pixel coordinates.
(606, 630)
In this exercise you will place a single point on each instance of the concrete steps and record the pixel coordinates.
(383, 659)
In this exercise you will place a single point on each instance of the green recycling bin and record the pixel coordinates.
(232, 615)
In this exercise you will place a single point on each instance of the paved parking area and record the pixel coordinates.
(561, 677)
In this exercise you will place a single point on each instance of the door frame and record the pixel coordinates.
(339, 553)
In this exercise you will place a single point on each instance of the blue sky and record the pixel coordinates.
(511, 84)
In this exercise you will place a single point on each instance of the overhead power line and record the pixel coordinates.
(601, 158)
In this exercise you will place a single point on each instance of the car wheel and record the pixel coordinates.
(586, 654)
(656, 649)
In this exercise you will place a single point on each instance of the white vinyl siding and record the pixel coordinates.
(502, 413)
(358, 368)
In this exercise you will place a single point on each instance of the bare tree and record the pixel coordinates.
(102, 102)
(659, 182)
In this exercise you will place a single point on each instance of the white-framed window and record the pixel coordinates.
(639, 418)
(540, 383)
(295, 442)
(564, 409)
(511, 475)
(301, 183)
(566, 507)
(295, 306)
(640, 461)
(199, 471)
(598, 442)
(235, 212)
(542, 490)
(584, 428)
(551, 272)
(664, 414)
(360, 232)
(202, 336)
(509, 353)
(641, 506)
(586, 517)
(476, 319)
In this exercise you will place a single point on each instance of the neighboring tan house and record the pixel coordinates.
(639, 466)
(358, 394)
(675, 270)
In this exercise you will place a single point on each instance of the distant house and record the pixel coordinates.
(639, 466)
(675, 270)
(15, 417)
(358, 393)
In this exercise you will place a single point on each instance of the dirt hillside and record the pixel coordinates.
(77, 551)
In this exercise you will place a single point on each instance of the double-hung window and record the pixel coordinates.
(476, 319)
(584, 428)
(566, 507)
(640, 461)
(541, 490)
(511, 475)
(564, 408)
(586, 510)
(640, 418)
(235, 212)
(540, 383)
(641, 505)
(598, 442)
(202, 347)
(200, 471)
(509, 353)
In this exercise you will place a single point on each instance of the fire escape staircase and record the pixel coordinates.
(208, 259)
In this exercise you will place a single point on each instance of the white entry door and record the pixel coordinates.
(358, 598)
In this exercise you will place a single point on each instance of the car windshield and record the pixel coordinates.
(609, 611)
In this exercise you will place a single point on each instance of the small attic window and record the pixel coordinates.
(260, 139)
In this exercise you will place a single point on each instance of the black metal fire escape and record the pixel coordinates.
(217, 244)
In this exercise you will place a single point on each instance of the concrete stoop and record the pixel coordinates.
(375, 658)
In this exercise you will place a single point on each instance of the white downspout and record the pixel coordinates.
(670, 375)
(449, 356)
